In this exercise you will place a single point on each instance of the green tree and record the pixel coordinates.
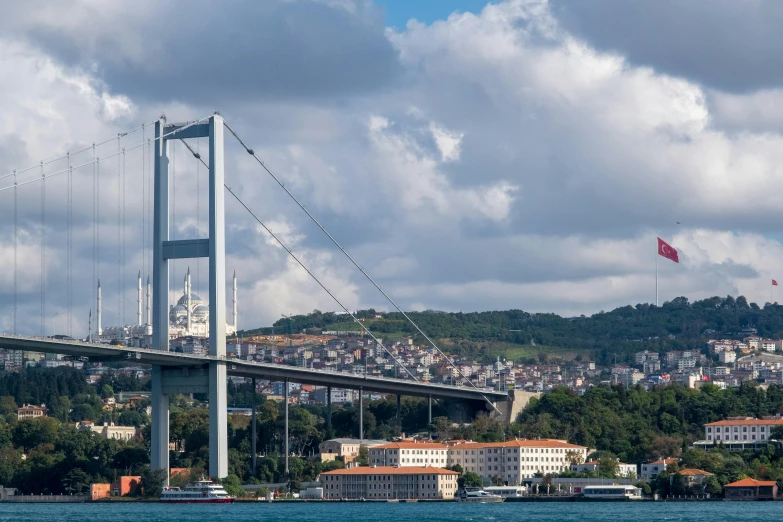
(76, 481)
(469, 479)
(152, 482)
(233, 486)
(106, 391)
(677, 484)
(712, 486)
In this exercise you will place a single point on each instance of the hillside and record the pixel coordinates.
(514, 334)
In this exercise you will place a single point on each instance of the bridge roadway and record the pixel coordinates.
(248, 369)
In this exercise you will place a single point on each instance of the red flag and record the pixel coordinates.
(667, 251)
(774, 283)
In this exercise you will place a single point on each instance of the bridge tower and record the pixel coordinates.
(210, 379)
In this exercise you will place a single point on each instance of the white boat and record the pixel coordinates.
(474, 494)
(612, 492)
(203, 491)
(506, 491)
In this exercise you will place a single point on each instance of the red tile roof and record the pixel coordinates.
(750, 483)
(391, 470)
(665, 462)
(692, 472)
(412, 445)
(523, 443)
(748, 422)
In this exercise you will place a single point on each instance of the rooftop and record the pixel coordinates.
(750, 483)
(391, 470)
(413, 445)
(692, 472)
(747, 422)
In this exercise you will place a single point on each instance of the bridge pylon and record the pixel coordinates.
(211, 379)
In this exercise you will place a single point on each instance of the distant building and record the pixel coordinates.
(345, 447)
(738, 433)
(110, 431)
(624, 470)
(29, 411)
(390, 482)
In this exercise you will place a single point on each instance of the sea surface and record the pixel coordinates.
(378, 512)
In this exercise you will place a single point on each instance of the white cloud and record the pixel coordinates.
(510, 164)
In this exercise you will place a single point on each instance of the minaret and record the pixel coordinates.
(149, 302)
(235, 301)
(98, 328)
(187, 289)
(138, 301)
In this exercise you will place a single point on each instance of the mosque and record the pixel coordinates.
(188, 318)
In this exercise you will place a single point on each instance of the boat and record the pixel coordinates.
(613, 492)
(203, 491)
(507, 491)
(475, 494)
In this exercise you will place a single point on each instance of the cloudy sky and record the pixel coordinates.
(471, 156)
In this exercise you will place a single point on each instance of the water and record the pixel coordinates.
(378, 512)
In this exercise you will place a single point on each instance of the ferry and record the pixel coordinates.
(474, 494)
(203, 491)
(617, 492)
(506, 491)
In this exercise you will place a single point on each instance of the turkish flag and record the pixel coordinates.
(774, 283)
(667, 251)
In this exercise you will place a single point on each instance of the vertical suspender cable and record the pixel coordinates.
(120, 320)
(173, 226)
(43, 250)
(98, 217)
(124, 267)
(94, 225)
(198, 213)
(143, 202)
(69, 249)
(16, 246)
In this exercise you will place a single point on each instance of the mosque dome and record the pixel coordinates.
(194, 300)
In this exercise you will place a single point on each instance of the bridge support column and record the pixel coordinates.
(329, 409)
(253, 436)
(429, 414)
(399, 416)
(159, 423)
(361, 413)
(285, 395)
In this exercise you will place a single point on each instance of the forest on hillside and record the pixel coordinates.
(675, 325)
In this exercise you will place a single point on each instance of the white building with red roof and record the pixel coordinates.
(389, 482)
(409, 453)
(515, 460)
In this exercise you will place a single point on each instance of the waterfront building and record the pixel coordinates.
(389, 482)
(692, 477)
(751, 489)
(740, 431)
(624, 470)
(515, 460)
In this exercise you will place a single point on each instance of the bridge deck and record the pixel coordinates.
(249, 368)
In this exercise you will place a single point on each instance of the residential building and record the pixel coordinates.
(110, 431)
(389, 482)
(645, 356)
(693, 478)
(339, 395)
(410, 454)
(651, 470)
(727, 357)
(515, 460)
(30, 411)
(751, 489)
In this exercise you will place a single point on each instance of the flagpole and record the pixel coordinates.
(656, 279)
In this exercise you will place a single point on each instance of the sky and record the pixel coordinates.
(519, 154)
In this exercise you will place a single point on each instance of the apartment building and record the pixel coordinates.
(651, 470)
(515, 460)
(410, 454)
(389, 482)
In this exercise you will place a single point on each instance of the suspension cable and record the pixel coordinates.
(59, 157)
(94, 223)
(121, 320)
(70, 248)
(43, 252)
(16, 246)
(109, 156)
(309, 272)
(353, 261)
(143, 204)
(124, 260)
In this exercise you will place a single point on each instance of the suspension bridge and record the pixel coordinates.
(158, 251)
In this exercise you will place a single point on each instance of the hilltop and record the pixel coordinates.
(518, 335)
